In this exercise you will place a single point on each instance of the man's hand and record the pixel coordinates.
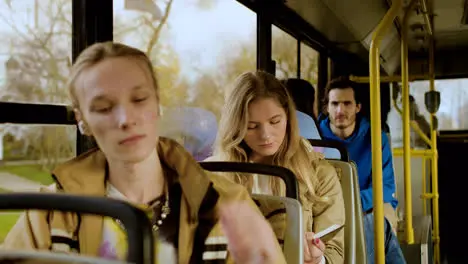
(250, 237)
(313, 249)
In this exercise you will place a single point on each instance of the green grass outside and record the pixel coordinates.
(7, 220)
(30, 172)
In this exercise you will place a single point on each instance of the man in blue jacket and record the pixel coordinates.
(344, 124)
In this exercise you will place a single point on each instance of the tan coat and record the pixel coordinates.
(202, 193)
(319, 216)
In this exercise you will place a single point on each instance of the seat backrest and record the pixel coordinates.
(193, 127)
(354, 231)
(283, 213)
(287, 226)
(331, 149)
(307, 127)
(361, 252)
(345, 174)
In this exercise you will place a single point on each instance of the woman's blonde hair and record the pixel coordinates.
(98, 52)
(230, 145)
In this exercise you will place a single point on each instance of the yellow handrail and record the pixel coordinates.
(414, 152)
(427, 20)
(394, 78)
(418, 130)
(414, 125)
(423, 181)
(376, 131)
(406, 125)
(434, 170)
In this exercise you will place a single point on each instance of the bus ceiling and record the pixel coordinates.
(334, 29)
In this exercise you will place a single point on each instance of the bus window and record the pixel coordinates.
(451, 114)
(35, 58)
(28, 154)
(453, 105)
(35, 55)
(284, 53)
(309, 70)
(309, 64)
(198, 47)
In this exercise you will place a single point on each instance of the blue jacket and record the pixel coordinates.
(360, 151)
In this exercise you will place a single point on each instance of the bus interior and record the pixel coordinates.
(406, 55)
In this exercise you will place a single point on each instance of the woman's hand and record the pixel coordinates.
(313, 249)
(250, 237)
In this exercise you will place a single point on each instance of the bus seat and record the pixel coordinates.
(193, 127)
(354, 231)
(330, 149)
(307, 127)
(345, 174)
(308, 130)
(361, 251)
(288, 226)
(283, 213)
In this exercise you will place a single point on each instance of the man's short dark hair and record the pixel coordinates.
(342, 82)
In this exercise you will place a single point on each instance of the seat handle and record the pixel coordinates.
(136, 222)
(269, 170)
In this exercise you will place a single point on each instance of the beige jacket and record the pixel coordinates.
(319, 216)
(202, 193)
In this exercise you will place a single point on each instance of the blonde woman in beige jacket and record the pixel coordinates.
(258, 124)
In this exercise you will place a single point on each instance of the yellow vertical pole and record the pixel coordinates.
(406, 126)
(423, 173)
(376, 130)
(434, 163)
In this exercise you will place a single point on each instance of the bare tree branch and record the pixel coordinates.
(157, 31)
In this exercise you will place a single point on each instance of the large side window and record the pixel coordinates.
(309, 70)
(284, 53)
(309, 64)
(451, 114)
(35, 58)
(453, 108)
(198, 47)
(36, 50)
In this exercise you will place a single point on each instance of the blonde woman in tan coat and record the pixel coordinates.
(200, 217)
(258, 124)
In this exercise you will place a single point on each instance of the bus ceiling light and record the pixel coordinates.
(146, 6)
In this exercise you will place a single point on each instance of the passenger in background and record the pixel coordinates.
(303, 95)
(197, 215)
(259, 124)
(344, 124)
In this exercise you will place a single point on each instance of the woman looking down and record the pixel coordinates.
(259, 124)
(199, 216)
